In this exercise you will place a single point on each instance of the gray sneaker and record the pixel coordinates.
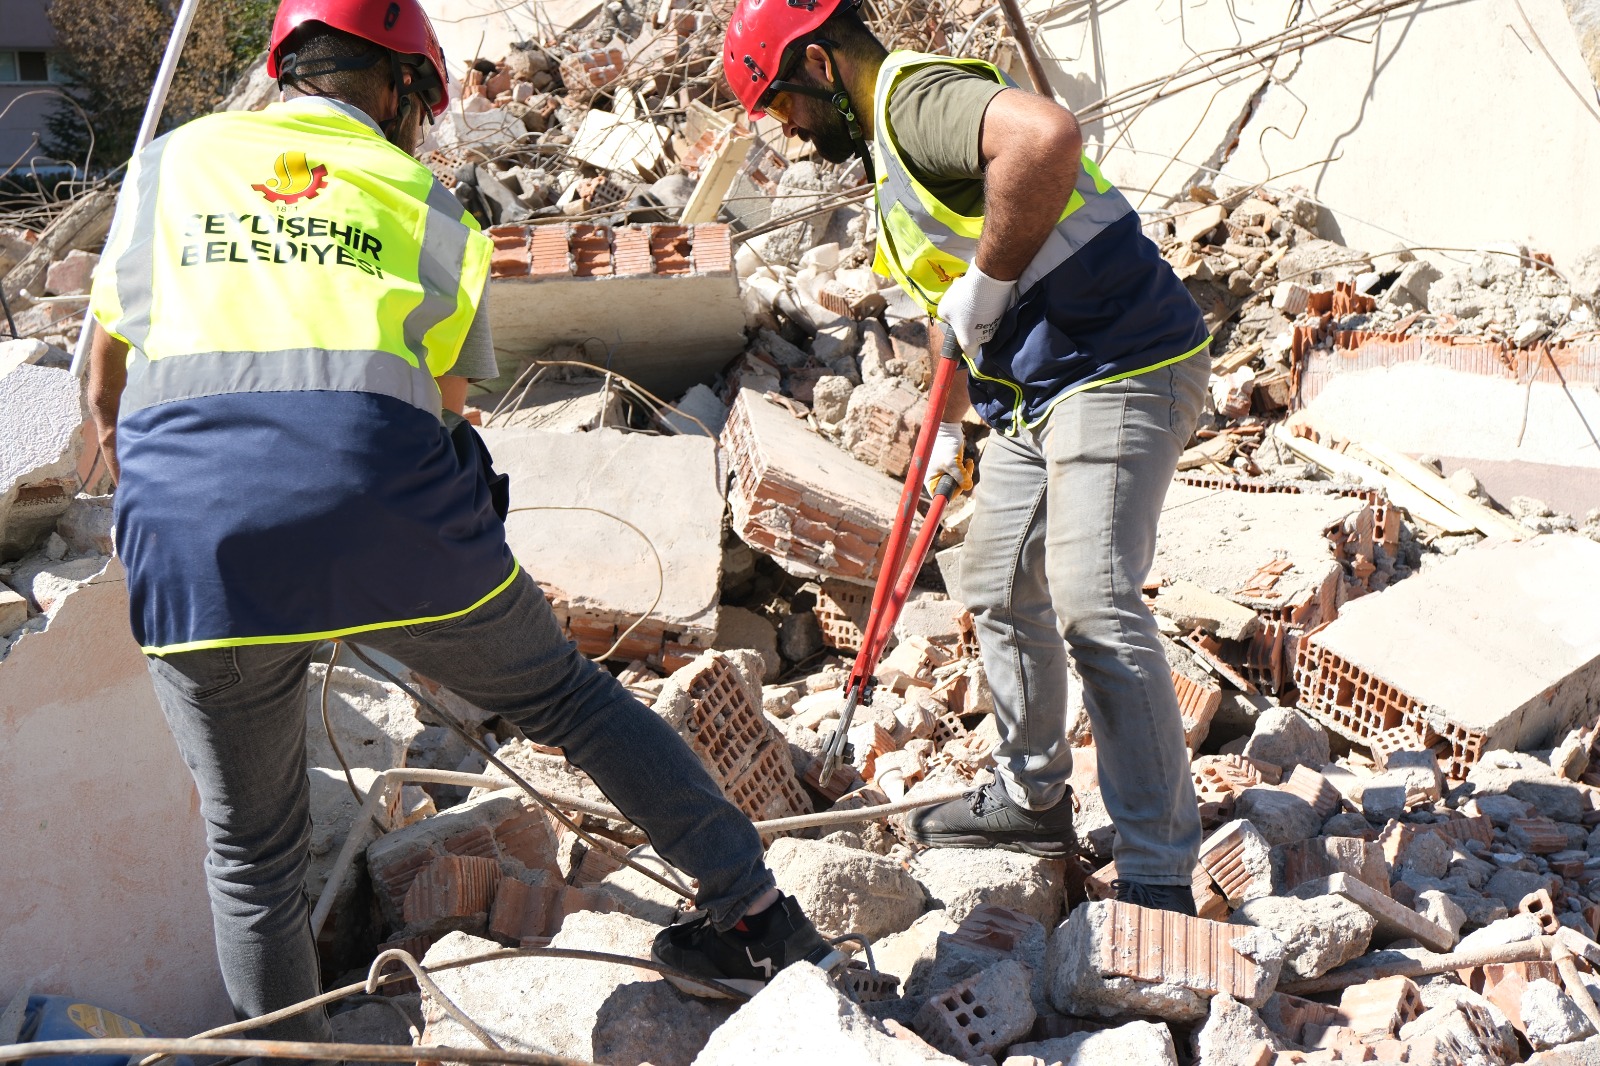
(986, 817)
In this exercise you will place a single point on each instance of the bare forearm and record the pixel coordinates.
(957, 401)
(452, 393)
(1031, 147)
(108, 374)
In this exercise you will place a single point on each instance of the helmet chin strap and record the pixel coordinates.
(409, 97)
(839, 97)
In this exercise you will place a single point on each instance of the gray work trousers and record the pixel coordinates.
(1059, 547)
(239, 718)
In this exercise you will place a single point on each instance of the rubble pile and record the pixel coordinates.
(1389, 681)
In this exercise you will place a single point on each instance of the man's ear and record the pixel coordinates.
(821, 63)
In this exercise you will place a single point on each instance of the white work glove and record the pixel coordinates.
(947, 458)
(973, 305)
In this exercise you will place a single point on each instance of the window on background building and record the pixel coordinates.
(24, 67)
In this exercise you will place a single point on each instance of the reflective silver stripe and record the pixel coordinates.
(188, 377)
(1098, 211)
(444, 246)
(136, 264)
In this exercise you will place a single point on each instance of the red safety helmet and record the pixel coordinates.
(759, 32)
(401, 26)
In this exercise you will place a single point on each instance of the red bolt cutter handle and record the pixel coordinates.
(900, 566)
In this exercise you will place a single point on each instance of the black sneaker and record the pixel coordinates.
(747, 956)
(986, 817)
(1179, 898)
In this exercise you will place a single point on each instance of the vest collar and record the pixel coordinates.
(325, 103)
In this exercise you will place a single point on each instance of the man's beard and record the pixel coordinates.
(827, 130)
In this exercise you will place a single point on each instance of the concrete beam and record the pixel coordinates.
(663, 300)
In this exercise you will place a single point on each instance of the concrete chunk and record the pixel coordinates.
(844, 890)
(816, 510)
(1145, 1043)
(962, 880)
(1318, 934)
(41, 418)
(800, 1019)
(1395, 921)
(598, 1011)
(1192, 607)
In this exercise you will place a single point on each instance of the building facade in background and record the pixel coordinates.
(28, 64)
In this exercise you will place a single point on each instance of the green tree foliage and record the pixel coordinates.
(113, 50)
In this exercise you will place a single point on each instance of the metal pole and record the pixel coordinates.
(147, 132)
(1030, 55)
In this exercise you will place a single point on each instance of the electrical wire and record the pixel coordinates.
(629, 382)
(661, 573)
(424, 982)
(327, 727)
(368, 985)
(283, 1049)
(455, 725)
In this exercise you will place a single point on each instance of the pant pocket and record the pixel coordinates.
(1188, 380)
(199, 675)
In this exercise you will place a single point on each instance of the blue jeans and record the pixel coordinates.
(1061, 540)
(239, 718)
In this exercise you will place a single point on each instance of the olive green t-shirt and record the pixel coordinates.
(936, 115)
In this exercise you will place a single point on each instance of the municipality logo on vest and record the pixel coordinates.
(293, 180)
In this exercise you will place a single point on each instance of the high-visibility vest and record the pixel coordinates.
(311, 255)
(922, 243)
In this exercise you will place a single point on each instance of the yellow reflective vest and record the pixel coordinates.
(1088, 311)
(312, 254)
(290, 284)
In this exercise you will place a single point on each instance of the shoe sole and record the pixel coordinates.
(1043, 849)
(749, 986)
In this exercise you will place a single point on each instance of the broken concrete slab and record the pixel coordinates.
(1429, 653)
(801, 1019)
(594, 1011)
(1221, 540)
(41, 417)
(1133, 1042)
(1395, 921)
(147, 949)
(663, 299)
(817, 511)
(599, 476)
(1367, 392)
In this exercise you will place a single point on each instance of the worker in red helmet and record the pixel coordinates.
(283, 298)
(1088, 360)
